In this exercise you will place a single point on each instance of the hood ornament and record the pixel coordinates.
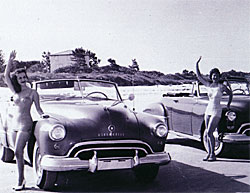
(111, 132)
(111, 128)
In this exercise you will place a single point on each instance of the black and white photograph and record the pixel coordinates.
(124, 96)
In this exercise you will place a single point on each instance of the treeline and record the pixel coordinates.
(87, 67)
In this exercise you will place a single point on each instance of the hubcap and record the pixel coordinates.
(217, 142)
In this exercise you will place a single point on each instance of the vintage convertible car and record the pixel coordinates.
(185, 112)
(90, 128)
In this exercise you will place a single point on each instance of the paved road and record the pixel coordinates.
(186, 173)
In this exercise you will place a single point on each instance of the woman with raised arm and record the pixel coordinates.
(213, 111)
(19, 118)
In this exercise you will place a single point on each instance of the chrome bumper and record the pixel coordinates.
(60, 163)
(236, 138)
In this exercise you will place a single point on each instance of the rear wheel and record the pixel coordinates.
(44, 179)
(7, 155)
(146, 173)
(220, 147)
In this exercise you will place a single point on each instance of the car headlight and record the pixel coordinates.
(161, 130)
(231, 115)
(57, 133)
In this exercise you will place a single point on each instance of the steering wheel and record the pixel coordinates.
(239, 89)
(96, 92)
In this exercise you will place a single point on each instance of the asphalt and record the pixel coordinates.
(185, 173)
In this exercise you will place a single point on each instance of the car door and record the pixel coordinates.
(182, 114)
(198, 114)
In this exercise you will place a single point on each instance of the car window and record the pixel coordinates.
(239, 88)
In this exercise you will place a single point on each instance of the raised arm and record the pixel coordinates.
(199, 75)
(7, 71)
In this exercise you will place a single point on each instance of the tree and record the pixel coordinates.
(86, 58)
(112, 62)
(46, 61)
(2, 61)
(185, 72)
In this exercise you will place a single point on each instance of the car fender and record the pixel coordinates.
(3, 137)
(159, 109)
(156, 109)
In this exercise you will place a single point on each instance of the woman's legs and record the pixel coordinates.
(206, 140)
(212, 125)
(21, 139)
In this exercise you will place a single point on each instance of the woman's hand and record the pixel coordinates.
(12, 55)
(199, 75)
(199, 60)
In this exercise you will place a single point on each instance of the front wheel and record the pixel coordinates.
(219, 147)
(146, 173)
(44, 179)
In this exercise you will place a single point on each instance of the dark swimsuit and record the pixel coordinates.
(19, 117)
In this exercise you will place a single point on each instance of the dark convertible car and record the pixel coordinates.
(90, 128)
(185, 112)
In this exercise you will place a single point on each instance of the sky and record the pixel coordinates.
(163, 35)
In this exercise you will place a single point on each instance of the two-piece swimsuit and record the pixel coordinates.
(19, 117)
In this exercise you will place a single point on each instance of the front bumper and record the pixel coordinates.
(236, 138)
(61, 163)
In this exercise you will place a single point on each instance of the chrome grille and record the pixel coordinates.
(104, 149)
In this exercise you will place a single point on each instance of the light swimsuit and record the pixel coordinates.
(214, 107)
(19, 117)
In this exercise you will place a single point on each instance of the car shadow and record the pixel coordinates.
(232, 152)
(186, 142)
(174, 177)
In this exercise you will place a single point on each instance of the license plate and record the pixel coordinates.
(112, 164)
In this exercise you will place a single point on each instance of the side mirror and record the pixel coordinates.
(131, 97)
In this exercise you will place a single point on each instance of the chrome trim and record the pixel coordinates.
(63, 163)
(108, 142)
(93, 162)
(236, 138)
(242, 127)
(245, 131)
(109, 148)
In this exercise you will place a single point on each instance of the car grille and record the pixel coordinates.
(247, 133)
(106, 149)
(244, 129)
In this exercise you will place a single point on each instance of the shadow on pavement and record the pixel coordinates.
(174, 177)
(234, 151)
(186, 142)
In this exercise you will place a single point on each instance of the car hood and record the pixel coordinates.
(239, 102)
(94, 121)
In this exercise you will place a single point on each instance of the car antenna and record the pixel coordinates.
(133, 90)
(135, 68)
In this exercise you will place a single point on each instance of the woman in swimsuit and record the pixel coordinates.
(214, 109)
(19, 117)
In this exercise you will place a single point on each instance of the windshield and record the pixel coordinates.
(72, 89)
(239, 88)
